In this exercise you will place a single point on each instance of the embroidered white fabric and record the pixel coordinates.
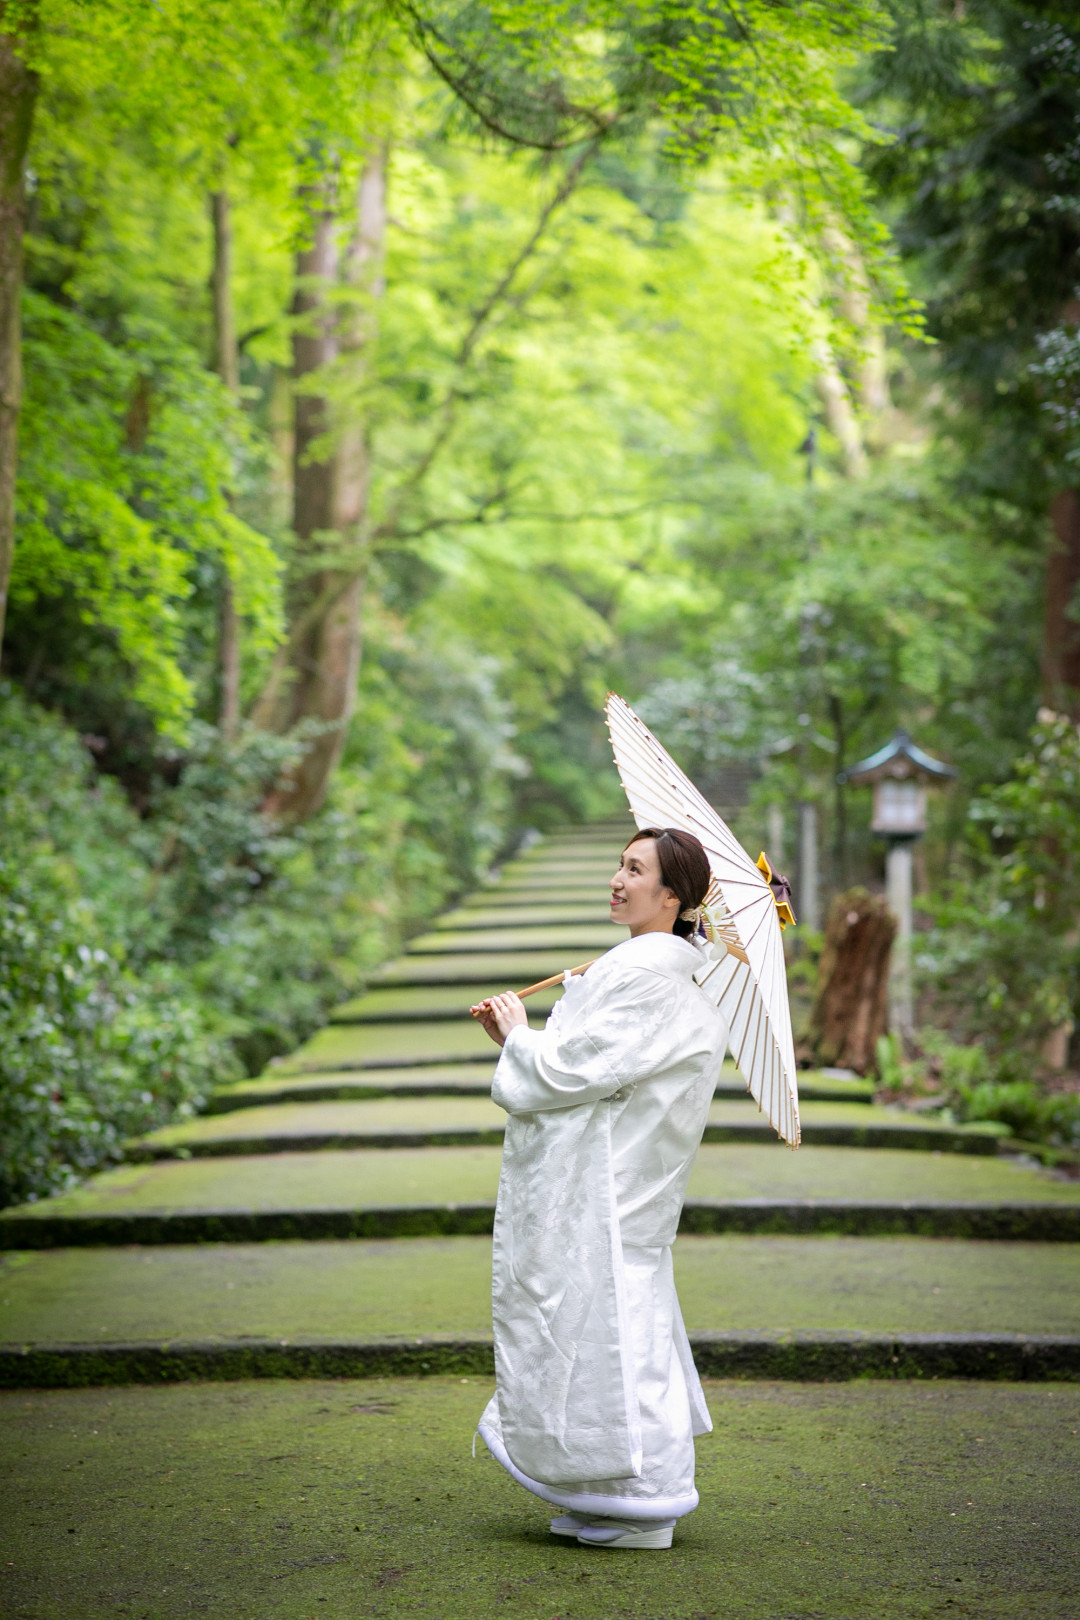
(597, 1398)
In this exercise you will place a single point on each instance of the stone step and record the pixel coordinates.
(440, 1288)
(506, 898)
(583, 878)
(576, 938)
(589, 913)
(339, 1047)
(397, 1192)
(468, 1079)
(1022, 1358)
(511, 970)
(441, 1121)
(569, 857)
(423, 1004)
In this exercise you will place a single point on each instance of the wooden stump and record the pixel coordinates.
(852, 1002)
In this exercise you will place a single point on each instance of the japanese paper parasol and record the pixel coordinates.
(745, 975)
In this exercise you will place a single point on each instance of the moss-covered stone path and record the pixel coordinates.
(346, 1500)
(910, 1291)
(887, 1243)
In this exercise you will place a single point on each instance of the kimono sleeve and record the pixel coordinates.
(610, 1042)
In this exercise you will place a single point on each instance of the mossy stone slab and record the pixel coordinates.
(565, 852)
(434, 1079)
(510, 897)
(426, 1003)
(442, 1286)
(421, 1176)
(544, 890)
(444, 1121)
(585, 880)
(360, 1498)
(511, 969)
(397, 1121)
(374, 1046)
(462, 1079)
(581, 914)
(569, 937)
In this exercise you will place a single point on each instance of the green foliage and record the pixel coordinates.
(596, 358)
(847, 611)
(128, 447)
(1005, 957)
(759, 83)
(984, 101)
(143, 961)
(90, 1050)
(1030, 1113)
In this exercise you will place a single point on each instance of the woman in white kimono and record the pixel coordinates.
(597, 1399)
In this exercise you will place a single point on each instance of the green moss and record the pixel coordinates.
(521, 936)
(442, 1120)
(410, 1176)
(351, 1046)
(507, 968)
(462, 1079)
(378, 1290)
(356, 1501)
(428, 1002)
(586, 912)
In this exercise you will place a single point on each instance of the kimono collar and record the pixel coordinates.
(663, 953)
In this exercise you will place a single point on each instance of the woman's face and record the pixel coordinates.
(638, 898)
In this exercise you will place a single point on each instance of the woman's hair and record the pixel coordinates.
(684, 869)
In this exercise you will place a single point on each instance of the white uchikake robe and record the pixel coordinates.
(597, 1398)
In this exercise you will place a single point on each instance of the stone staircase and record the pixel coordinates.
(333, 1217)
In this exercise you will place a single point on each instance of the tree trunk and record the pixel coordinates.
(851, 1005)
(226, 353)
(18, 93)
(1061, 643)
(316, 678)
(839, 411)
(871, 370)
(227, 366)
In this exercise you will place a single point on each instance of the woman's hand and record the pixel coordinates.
(500, 1014)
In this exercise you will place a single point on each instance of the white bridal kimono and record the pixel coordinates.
(597, 1398)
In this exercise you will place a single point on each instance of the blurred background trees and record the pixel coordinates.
(399, 377)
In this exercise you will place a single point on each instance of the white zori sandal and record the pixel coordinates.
(567, 1525)
(640, 1534)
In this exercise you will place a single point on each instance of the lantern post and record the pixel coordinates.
(900, 774)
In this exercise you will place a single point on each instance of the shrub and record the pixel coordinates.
(1003, 962)
(96, 1042)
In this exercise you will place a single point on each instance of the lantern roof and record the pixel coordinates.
(899, 759)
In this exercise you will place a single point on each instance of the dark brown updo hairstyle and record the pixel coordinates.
(684, 869)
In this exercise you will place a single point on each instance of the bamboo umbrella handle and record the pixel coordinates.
(556, 978)
(546, 984)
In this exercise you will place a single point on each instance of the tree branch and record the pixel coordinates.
(447, 411)
(424, 32)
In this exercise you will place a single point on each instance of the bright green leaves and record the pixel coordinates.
(127, 451)
(758, 83)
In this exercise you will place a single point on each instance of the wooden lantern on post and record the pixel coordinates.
(900, 773)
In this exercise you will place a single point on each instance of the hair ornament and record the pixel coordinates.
(692, 914)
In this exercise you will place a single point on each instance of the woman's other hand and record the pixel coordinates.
(500, 1014)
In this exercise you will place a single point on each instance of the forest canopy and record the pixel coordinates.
(385, 382)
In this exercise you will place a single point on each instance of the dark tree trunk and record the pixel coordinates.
(227, 366)
(226, 353)
(1061, 642)
(851, 1006)
(18, 93)
(316, 679)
